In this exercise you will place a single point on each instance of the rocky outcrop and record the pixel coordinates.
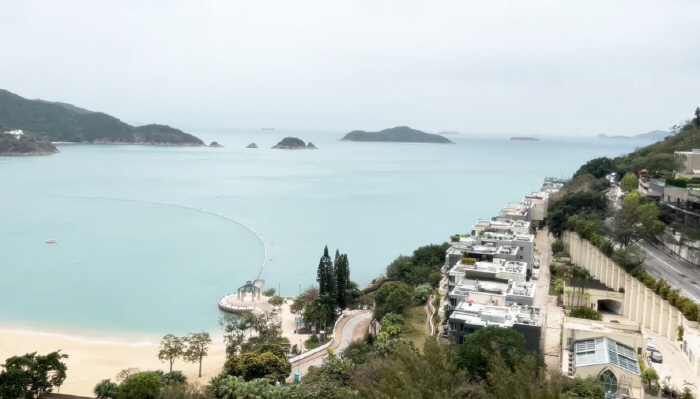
(252, 145)
(311, 146)
(215, 144)
(292, 143)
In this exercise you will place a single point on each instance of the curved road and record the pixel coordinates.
(346, 337)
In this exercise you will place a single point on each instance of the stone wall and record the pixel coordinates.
(640, 304)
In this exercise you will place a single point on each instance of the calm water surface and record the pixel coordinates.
(128, 261)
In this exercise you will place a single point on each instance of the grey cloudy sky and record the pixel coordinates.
(533, 67)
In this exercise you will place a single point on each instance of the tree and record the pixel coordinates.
(106, 389)
(173, 377)
(171, 347)
(558, 248)
(630, 257)
(184, 391)
(634, 221)
(558, 213)
(276, 301)
(342, 270)
(144, 385)
(391, 319)
(569, 297)
(584, 388)
(598, 167)
(325, 275)
(649, 376)
(32, 376)
(558, 288)
(268, 330)
(697, 116)
(235, 328)
(478, 346)
(432, 255)
(391, 297)
(269, 361)
(269, 292)
(197, 348)
(421, 293)
(584, 312)
(629, 182)
(307, 297)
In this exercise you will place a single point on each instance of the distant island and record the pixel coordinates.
(400, 134)
(252, 145)
(15, 143)
(61, 122)
(269, 129)
(215, 144)
(656, 135)
(293, 143)
(525, 138)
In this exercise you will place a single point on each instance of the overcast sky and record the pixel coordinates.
(527, 67)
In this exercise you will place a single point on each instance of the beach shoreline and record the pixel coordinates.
(93, 357)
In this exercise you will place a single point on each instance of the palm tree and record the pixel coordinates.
(587, 297)
(568, 296)
(106, 389)
(326, 307)
(585, 280)
(558, 288)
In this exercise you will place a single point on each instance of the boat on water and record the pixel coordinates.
(51, 241)
(525, 138)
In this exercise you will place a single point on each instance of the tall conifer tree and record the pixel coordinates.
(342, 269)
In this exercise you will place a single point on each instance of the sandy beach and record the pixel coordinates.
(94, 358)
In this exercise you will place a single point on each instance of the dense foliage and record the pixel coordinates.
(584, 312)
(268, 361)
(32, 376)
(62, 122)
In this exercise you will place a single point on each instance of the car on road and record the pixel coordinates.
(536, 263)
(650, 344)
(535, 274)
(656, 357)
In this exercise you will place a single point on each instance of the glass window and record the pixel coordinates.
(609, 382)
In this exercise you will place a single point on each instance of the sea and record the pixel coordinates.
(149, 238)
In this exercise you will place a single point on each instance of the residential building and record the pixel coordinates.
(605, 351)
(469, 316)
(489, 246)
(689, 163)
(539, 201)
(503, 226)
(518, 211)
(17, 133)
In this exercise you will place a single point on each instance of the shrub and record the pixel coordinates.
(584, 312)
(469, 261)
(454, 238)
(622, 290)
(681, 330)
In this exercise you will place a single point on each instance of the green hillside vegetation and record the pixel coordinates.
(9, 145)
(65, 122)
(400, 134)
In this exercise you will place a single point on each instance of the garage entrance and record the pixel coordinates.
(610, 306)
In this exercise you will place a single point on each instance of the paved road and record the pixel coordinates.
(662, 265)
(346, 337)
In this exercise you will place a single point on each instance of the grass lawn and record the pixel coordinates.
(415, 326)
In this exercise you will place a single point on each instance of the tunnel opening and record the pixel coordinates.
(610, 306)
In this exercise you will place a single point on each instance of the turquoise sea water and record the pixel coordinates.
(128, 261)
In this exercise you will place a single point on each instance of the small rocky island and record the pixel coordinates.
(400, 134)
(252, 145)
(19, 144)
(215, 144)
(293, 143)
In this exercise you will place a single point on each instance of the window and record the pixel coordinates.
(639, 351)
(453, 302)
(608, 380)
(521, 257)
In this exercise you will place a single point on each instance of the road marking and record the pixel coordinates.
(675, 270)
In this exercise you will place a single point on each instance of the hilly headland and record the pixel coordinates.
(399, 134)
(61, 122)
